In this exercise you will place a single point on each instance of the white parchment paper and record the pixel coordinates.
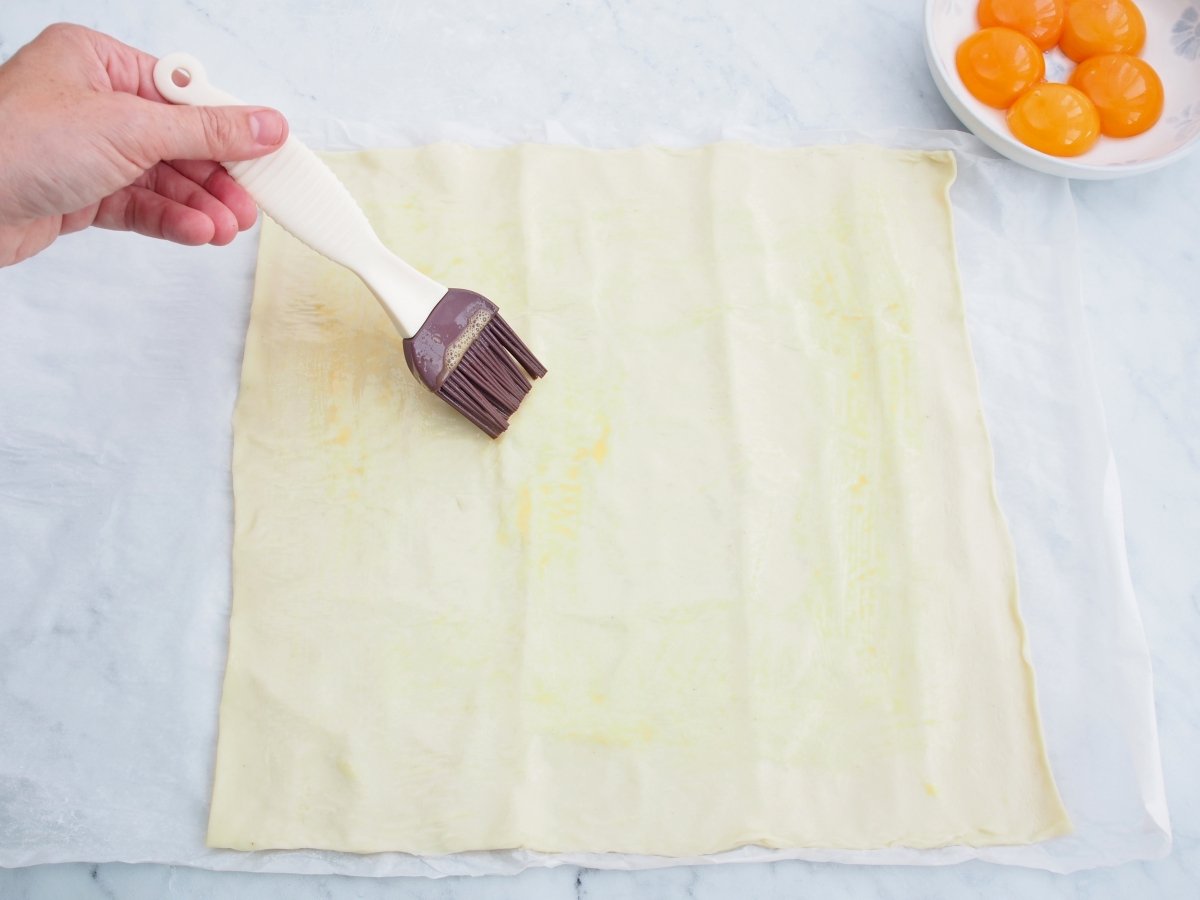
(119, 365)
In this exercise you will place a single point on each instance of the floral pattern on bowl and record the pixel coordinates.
(1185, 36)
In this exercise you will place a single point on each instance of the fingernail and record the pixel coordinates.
(266, 127)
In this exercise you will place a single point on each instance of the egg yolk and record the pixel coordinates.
(1126, 90)
(1039, 20)
(1093, 27)
(996, 64)
(1056, 119)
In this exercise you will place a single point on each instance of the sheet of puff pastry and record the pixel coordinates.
(736, 574)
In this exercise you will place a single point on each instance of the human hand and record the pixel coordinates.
(86, 139)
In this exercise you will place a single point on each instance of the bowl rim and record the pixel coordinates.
(1008, 146)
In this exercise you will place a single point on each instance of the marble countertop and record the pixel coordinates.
(779, 68)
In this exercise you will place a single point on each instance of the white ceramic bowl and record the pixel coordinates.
(1172, 47)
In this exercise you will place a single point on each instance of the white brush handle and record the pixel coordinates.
(296, 189)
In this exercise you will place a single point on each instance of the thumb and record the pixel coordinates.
(220, 133)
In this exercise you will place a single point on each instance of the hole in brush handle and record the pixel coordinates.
(182, 79)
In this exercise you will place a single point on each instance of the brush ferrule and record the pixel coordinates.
(443, 338)
(469, 356)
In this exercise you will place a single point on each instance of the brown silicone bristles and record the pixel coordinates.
(509, 341)
(487, 385)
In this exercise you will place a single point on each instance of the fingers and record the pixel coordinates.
(171, 204)
(165, 180)
(79, 220)
(213, 132)
(213, 178)
(143, 211)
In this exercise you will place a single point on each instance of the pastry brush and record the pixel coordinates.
(455, 341)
